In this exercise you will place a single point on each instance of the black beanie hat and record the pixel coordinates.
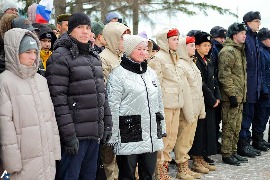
(77, 19)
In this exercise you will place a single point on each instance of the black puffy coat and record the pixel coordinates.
(78, 92)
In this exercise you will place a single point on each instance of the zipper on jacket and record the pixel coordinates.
(75, 111)
(149, 113)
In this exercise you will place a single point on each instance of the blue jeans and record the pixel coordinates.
(248, 115)
(81, 166)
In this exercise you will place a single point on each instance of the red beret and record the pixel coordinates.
(190, 39)
(172, 32)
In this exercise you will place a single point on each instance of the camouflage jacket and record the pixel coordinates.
(232, 71)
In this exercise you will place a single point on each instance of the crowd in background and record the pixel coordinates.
(89, 100)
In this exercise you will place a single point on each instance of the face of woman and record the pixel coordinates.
(191, 49)
(173, 42)
(139, 53)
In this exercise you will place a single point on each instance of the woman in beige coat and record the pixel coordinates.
(187, 129)
(29, 137)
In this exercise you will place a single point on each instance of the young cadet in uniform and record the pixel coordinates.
(186, 131)
(205, 137)
(233, 83)
(176, 94)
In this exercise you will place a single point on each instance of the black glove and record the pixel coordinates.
(72, 147)
(107, 135)
(265, 96)
(233, 101)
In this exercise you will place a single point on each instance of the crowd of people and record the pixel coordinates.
(89, 100)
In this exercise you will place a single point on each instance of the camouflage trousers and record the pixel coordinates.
(231, 126)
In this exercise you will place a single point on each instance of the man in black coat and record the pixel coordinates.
(77, 88)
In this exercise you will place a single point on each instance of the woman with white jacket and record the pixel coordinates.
(29, 136)
(135, 100)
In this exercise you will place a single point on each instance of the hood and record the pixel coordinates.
(112, 33)
(12, 41)
(162, 40)
(31, 13)
(230, 42)
(182, 50)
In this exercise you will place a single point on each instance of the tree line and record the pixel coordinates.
(134, 9)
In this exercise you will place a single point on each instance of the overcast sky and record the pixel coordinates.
(185, 23)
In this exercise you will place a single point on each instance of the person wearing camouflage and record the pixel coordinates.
(233, 87)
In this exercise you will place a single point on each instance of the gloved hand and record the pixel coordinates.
(233, 101)
(72, 147)
(265, 96)
(107, 134)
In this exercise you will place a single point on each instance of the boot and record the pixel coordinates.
(194, 174)
(244, 149)
(241, 159)
(208, 166)
(182, 172)
(258, 139)
(161, 172)
(257, 142)
(231, 160)
(209, 160)
(197, 165)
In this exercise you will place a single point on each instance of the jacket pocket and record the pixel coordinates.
(159, 118)
(74, 111)
(130, 128)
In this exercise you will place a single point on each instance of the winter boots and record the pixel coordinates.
(185, 173)
(161, 172)
(200, 166)
(245, 149)
(259, 143)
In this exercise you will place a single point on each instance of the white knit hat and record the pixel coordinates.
(130, 43)
(10, 4)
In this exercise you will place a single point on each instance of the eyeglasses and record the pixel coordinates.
(257, 21)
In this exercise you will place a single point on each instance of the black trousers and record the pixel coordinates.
(127, 166)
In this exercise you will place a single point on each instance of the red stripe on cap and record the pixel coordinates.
(172, 32)
(190, 39)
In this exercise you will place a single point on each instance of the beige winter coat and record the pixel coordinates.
(111, 55)
(194, 78)
(29, 137)
(175, 88)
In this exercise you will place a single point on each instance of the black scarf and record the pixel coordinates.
(129, 64)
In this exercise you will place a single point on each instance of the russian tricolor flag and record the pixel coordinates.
(43, 12)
